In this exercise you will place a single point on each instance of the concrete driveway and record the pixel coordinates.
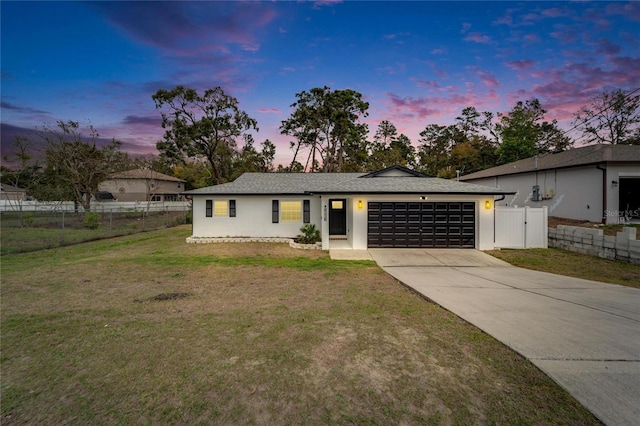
(583, 334)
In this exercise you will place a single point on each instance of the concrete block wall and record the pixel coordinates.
(623, 247)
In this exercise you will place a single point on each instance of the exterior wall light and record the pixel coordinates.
(614, 183)
(360, 204)
(487, 204)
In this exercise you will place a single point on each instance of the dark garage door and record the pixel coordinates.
(428, 224)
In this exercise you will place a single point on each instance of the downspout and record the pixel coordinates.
(495, 200)
(604, 193)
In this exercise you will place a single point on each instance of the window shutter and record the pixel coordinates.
(275, 211)
(306, 211)
(209, 212)
(232, 208)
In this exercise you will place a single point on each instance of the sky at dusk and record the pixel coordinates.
(416, 63)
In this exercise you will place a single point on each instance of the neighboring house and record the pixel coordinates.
(13, 193)
(143, 185)
(598, 183)
(394, 207)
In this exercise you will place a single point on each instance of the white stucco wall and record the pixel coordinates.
(253, 217)
(577, 192)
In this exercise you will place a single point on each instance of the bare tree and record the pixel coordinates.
(613, 117)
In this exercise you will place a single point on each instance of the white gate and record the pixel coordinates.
(521, 227)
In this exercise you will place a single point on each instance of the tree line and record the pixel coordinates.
(208, 141)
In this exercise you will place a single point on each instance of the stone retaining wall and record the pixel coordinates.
(623, 247)
(292, 243)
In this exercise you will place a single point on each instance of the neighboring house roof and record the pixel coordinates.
(144, 174)
(592, 154)
(8, 188)
(343, 183)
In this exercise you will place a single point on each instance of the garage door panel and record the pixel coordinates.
(442, 218)
(428, 218)
(427, 224)
(455, 218)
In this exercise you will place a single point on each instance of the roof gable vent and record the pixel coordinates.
(395, 171)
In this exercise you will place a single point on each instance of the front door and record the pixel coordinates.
(338, 217)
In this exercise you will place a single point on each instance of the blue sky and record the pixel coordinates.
(416, 63)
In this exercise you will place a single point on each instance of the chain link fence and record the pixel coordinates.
(30, 227)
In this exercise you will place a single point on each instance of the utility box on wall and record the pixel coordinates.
(535, 194)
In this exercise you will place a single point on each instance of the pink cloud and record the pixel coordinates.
(607, 47)
(553, 12)
(630, 10)
(478, 38)
(269, 111)
(486, 77)
(532, 38)
(409, 108)
(320, 3)
(393, 69)
(180, 28)
(520, 64)
(564, 33)
(424, 83)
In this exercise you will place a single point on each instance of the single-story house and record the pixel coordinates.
(143, 185)
(597, 183)
(13, 193)
(393, 207)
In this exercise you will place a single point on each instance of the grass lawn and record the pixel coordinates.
(563, 262)
(145, 329)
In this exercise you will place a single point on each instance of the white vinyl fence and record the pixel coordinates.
(521, 227)
(96, 206)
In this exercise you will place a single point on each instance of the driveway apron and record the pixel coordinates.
(584, 334)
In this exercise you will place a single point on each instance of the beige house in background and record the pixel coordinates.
(144, 185)
(13, 193)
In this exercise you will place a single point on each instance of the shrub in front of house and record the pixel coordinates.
(310, 235)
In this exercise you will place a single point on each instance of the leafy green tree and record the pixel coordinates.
(613, 117)
(434, 150)
(75, 168)
(250, 160)
(197, 173)
(325, 122)
(202, 126)
(523, 134)
(24, 168)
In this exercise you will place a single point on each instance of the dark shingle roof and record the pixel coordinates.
(336, 183)
(592, 154)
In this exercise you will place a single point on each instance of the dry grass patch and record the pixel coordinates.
(261, 334)
(563, 262)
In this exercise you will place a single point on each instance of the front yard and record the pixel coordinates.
(145, 329)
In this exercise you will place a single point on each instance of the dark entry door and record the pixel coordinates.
(337, 217)
(429, 224)
(629, 197)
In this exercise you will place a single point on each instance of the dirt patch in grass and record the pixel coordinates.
(267, 335)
